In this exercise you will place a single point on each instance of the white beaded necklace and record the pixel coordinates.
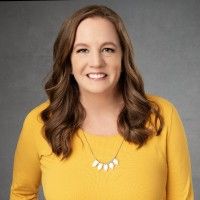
(102, 165)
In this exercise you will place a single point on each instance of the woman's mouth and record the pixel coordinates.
(96, 76)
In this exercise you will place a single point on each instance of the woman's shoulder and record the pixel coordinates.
(33, 114)
(33, 128)
(163, 102)
(166, 106)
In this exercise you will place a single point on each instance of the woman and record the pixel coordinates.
(99, 136)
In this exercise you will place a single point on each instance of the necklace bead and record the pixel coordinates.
(105, 166)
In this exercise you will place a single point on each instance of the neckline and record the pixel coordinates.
(91, 135)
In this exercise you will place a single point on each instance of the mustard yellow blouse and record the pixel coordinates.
(159, 170)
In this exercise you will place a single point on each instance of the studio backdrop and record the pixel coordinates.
(166, 40)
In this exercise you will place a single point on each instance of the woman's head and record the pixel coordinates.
(65, 114)
(96, 57)
(64, 45)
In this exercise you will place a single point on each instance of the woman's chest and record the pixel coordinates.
(141, 174)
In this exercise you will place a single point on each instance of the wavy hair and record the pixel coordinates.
(65, 114)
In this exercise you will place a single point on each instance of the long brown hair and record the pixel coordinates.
(65, 114)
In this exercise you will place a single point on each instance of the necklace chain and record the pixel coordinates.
(100, 165)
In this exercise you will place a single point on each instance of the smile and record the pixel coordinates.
(96, 75)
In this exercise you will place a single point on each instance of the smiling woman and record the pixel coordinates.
(99, 130)
(96, 56)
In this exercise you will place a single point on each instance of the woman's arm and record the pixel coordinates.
(179, 184)
(26, 168)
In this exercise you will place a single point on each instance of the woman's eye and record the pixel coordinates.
(82, 51)
(108, 50)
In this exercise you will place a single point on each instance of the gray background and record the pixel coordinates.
(166, 36)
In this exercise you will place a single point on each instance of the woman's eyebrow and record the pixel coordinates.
(86, 45)
(80, 44)
(109, 43)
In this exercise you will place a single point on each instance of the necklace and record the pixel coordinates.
(104, 165)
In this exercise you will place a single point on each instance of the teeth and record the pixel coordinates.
(96, 76)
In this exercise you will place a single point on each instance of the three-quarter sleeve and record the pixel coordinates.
(26, 167)
(179, 184)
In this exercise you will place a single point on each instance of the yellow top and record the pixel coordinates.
(159, 170)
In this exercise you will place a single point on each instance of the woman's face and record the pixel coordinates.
(96, 56)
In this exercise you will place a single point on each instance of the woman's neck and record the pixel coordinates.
(101, 110)
(101, 103)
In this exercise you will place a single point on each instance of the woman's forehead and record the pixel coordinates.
(96, 29)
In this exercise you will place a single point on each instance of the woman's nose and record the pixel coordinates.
(96, 59)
